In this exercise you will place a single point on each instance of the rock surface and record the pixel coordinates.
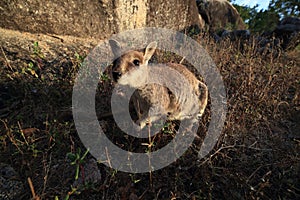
(288, 31)
(93, 18)
(220, 14)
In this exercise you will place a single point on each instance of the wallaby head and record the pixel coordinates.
(130, 60)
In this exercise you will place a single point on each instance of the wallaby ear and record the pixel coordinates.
(115, 47)
(149, 51)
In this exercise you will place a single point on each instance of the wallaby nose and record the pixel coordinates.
(116, 75)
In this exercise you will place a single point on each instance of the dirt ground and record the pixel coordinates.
(256, 156)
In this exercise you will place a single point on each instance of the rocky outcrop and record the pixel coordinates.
(289, 24)
(288, 31)
(220, 15)
(174, 14)
(95, 18)
(286, 36)
(236, 34)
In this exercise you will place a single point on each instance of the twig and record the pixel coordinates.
(56, 37)
(47, 169)
(157, 194)
(11, 137)
(34, 196)
(182, 60)
(108, 159)
(217, 151)
(6, 60)
(22, 133)
(142, 195)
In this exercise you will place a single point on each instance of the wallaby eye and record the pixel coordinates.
(136, 62)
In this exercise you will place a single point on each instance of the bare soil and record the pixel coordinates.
(256, 157)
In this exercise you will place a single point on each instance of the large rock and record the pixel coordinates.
(288, 31)
(95, 18)
(172, 14)
(220, 15)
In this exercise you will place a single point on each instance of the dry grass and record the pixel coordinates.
(256, 157)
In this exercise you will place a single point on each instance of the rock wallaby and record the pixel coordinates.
(152, 101)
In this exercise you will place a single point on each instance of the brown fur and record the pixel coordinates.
(151, 101)
(124, 63)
